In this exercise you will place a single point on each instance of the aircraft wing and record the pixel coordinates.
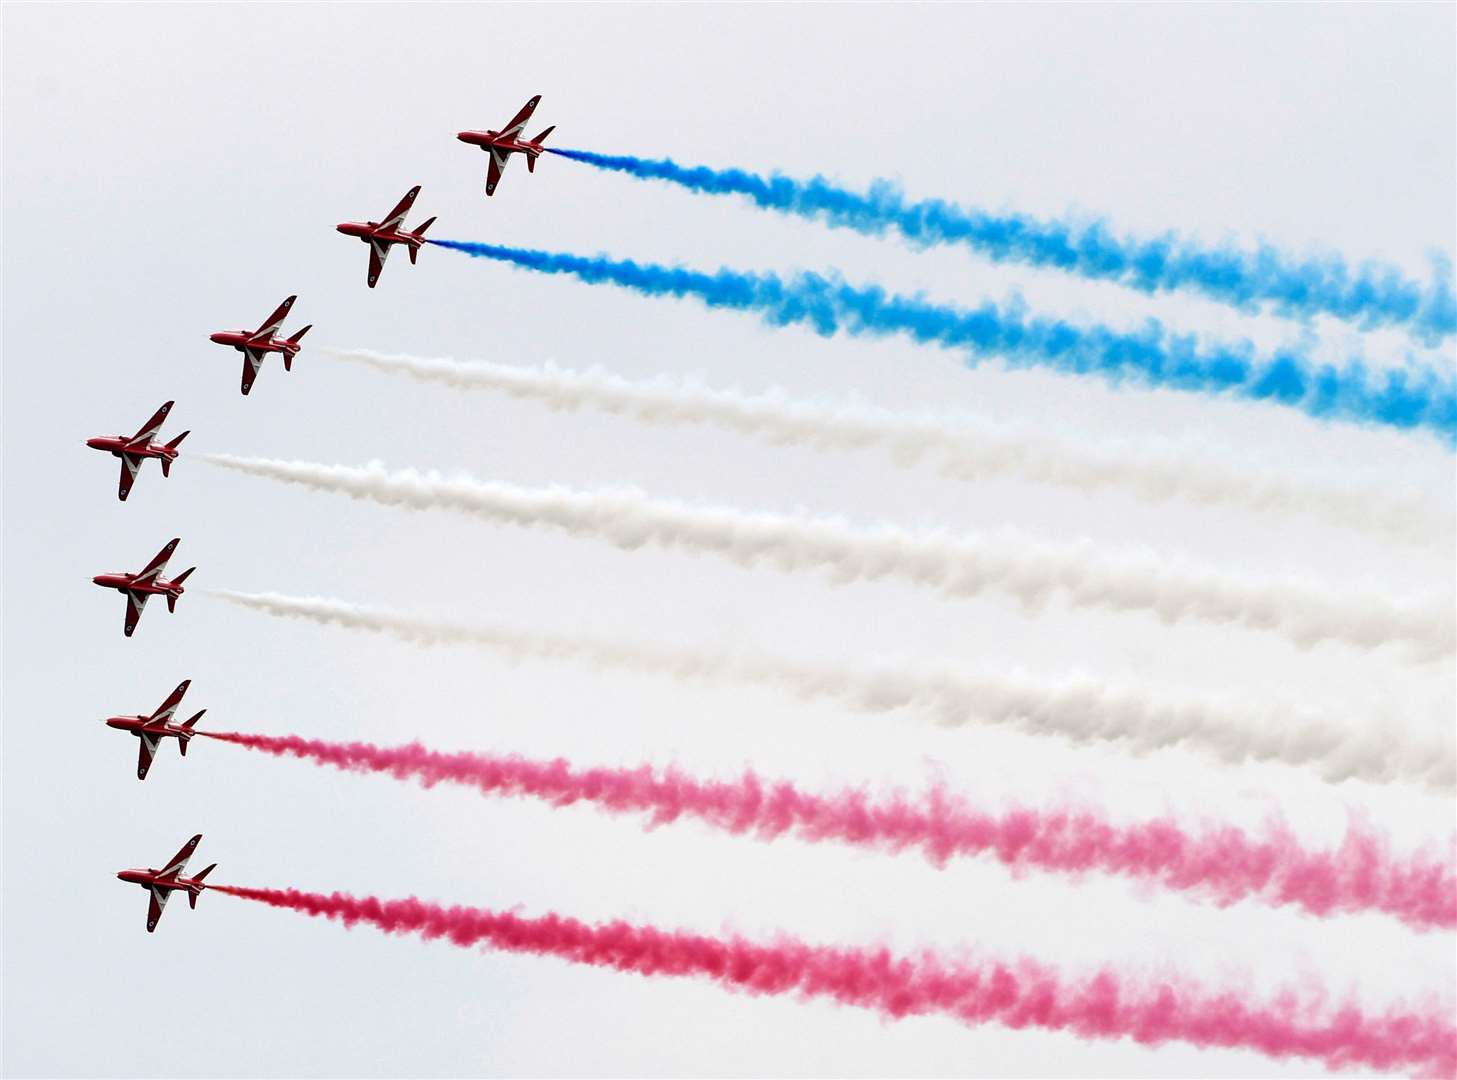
(252, 361)
(130, 463)
(378, 253)
(272, 324)
(168, 708)
(396, 217)
(149, 430)
(153, 569)
(494, 169)
(178, 862)
(146, 751)
(135, 602)
(518, 122)
(155, 903)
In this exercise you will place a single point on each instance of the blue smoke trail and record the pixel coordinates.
(1371, 297)
(1410, 399)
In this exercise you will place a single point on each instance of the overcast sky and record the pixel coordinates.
(174, 170)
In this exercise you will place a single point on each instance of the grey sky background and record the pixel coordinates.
(173, 170)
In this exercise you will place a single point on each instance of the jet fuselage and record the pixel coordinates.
(115, 444)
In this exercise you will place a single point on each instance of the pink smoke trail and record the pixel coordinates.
(1019, 994)
(1221, 863)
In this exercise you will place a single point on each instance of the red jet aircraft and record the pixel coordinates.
(502, 144)
(136, 449)
(162, 883)
(138, 587)
(151, 730)
(259, 343)
(381, 235)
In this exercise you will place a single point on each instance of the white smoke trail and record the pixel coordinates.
(957, 566)
(1082, 711)
(1153, 473)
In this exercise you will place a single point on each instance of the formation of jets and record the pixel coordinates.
(254, 345)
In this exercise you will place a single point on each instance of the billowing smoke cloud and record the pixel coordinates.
(1369, 296)
(1082, 711)
(1408, 398)
(1016, 994)
(956, 566)
(963, 451)
(1219, 863)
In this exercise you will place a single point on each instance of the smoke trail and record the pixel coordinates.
(1154, 474)
(1411, 398)
(1082, 711)
(1016, 994)
(1220, 863)
(1370, 296)
(959, 567)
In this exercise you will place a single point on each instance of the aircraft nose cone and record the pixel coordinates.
(463, 136)
(218, 338)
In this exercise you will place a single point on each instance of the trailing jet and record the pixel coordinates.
(137, 588)
(136, 449)
(151, 730)
(164, 882)
(381, 235)
(502, 144)
(259, 343)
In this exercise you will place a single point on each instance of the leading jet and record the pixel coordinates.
(256, 344)
(139, 587)
(164, 882)
(135, 449)
(382, 235)
(502, 144)
(151, 730)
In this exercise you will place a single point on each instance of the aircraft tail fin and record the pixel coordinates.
(167, 461)
(288, 353)
(419, 235)
(186, 736)
(194, 893)
(178, 580)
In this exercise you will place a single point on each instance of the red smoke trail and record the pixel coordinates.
(1017, 995)
(1222, 863)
